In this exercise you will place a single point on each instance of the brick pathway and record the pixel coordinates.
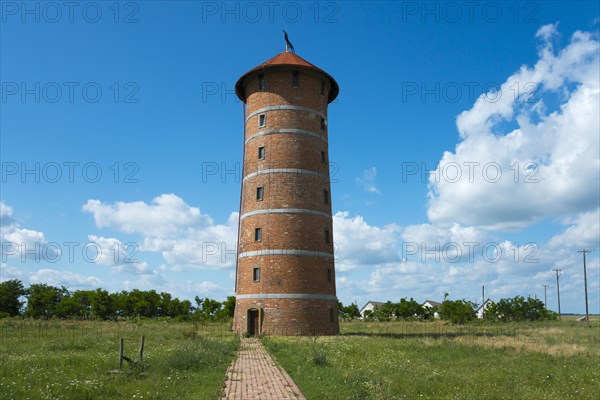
(255, 376)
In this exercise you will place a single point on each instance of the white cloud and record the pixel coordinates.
(167, 215)
(185, 237)
(549, 164)
(7, 272)
(547, 32)
(584, 232)
(7, 222)
(70, 280)
(358, 244)
(210, 246)
(24, 244)
(367, 180)
(111, 251)
(151, 281)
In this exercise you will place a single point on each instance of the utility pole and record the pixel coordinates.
(482, 295)
(545, 298)
(482, 301)
(557, 270)
(587, 314)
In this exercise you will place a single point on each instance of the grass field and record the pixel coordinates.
(72, 360)
(400, 360)
(412, 360)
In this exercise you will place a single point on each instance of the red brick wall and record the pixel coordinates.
(286, 191)
(279, 274)
(283, 150)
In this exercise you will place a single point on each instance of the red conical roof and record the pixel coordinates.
(287, 59)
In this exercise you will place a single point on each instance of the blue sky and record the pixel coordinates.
(142, 93)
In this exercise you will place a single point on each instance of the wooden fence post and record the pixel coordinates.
(142, 348)
(121, 348)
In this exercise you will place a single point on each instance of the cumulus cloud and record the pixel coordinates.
(505, 267)
(359, 244)
(184, 236)
(367, 180)
(167, 215)
(547, 166)
(7, 272)
(21, 243)
(6, 217)
(64, 278)
(427, 240)
(212, 246)
(584, 231)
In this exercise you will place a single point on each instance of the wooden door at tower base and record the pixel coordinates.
(253, 322)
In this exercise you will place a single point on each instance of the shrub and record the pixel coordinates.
(457, 311)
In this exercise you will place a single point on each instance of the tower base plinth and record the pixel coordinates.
(286, 317)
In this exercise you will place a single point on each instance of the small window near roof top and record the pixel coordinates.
(261, 83)
(295, 79)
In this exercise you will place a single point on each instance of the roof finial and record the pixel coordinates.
(288, 44)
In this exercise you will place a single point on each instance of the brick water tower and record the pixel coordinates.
(285, 275)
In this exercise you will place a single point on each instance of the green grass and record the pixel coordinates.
(412, 360)
(72, 360)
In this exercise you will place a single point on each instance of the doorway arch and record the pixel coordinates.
(254, 317)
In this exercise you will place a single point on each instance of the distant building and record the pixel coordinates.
(481, 310)
(370, 306)
(432, 304)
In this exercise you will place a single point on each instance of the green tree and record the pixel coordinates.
(184, 308)
(228, 309)
(142, 303)
(75, 305)
(124, 304)
(385, 312)
(457, 311)
(166, 305)
(518, 309)
(43, 300)
(207, 308)
(348, 312)
(409, 309)
(10, 297)
(101, 303)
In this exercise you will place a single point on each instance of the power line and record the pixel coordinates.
(557, 270)
(587, 314)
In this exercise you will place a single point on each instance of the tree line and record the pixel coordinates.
(461, 311)
(46, 301)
